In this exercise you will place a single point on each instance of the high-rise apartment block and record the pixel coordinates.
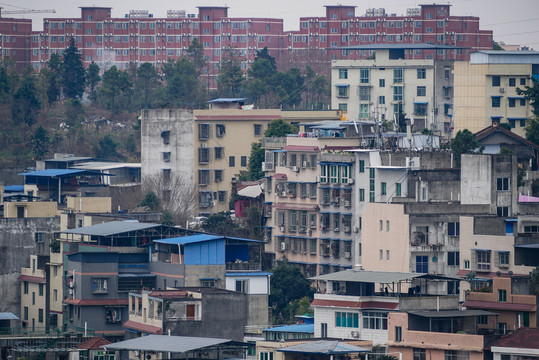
(139, 37)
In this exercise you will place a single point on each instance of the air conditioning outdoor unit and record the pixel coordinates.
(283, 246)
(347, 255)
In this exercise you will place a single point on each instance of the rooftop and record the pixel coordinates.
(324, 347)
(297, 328)
(524, 337)
(111, 228)
(163, 343)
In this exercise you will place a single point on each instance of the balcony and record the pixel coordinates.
(243, 266)
(273, 143)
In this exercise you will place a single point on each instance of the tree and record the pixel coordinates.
(54, 88)
(496, 46)
(106, 148)
(223, 224)
(182, 84)
(531, 93)
(288, 286)
(230, 80)
(92, 80)
(26, 104)
(289, 87)
(4, 86)
(146, 83)
(532, 131)
(151, 200)
(260, 83)
(40, 143)
(304, 307)
(464, 143)
(264, 54)
(254, 167)
(114, 85)
(73, 73)
(279, 128)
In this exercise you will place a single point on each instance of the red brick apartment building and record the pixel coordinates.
(139, 37)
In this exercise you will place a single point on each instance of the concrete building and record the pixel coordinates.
(485, 89)
(201, 312)
(522, 343)
(198, 153)
(390, 83)
(34, 301)
(514, 309)
(15, 40)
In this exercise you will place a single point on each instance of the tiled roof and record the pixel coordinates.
(94, 343)
(96, 302)
(523, 337)
(145, 328)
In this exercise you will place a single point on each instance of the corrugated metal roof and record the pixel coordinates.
(298, 328)
(223, 100)
(188, 239)
(52, 172)
(8, 316)
(384, 277)
(326, 347)
(164, 343)
(111, 228)
(14, 188)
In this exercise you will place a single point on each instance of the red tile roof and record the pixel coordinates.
(492, 129)
(279, 176)
(94, 343)
(355, 304)
(133, 325)
(96, 302)
(33, 279)
(524, 337)
(494, 305)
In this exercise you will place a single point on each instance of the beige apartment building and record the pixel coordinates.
(34, 304)
(486, 89)
(377, 89)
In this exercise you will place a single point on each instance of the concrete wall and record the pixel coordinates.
(17, 243)
(476, 180)
(89, 204)
(193, 274)
(173, 274)
(259, 311)
(32, 209)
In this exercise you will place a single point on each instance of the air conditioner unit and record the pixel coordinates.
(282, 228)
(502, 89)
(347, 254)
(356, 229)
(350, 181)
(336, 230)
(305, 164)
(295, 169)
(283, 246)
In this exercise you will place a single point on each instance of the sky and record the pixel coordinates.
(513, 21)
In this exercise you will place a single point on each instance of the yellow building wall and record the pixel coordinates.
(32, 209)
(469, 96)
(32, 299)
(90, 204)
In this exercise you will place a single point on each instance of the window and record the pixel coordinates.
(502, 295)
(512, 102)
(421, 91)
(361, 166)
(166, 156)
(203, 177)
(244, 161)
(99, 285)
(502, 184)
(25, 287)
(364, 76)
(483, 259)
(421, 73)
(453, 228)
(503, 258)
(258, 129)
(397, 75)
(384, 188)
(453, 258)
(382, 82)
(343, 73)
(422, 264)
(364, 93)
(40, 315)
(502, 211)
(343, 107)
(342, 91)
(231, 161)
(495, 81)
(522, 81)
(220, 130)
(398, 333)
(482, 319)
(420, 108)
(26, 313)
(218, 152)
(203, 155)
(218, 175)
(456, 355)
(397, 93)
(398, 189)
(387, 254)
(512, 81)
(242, 286)
(361, 194)
(203, 131)
(346, 319)
(420, 354)
(364, 111)
(41, 289)
(266, 355)
(381, 100)
(374, 320)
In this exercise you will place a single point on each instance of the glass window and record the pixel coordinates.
(496, 101)
(502, 295)
(364, 76)
(346, 319)
(495, 81)
(421, 73)
(397, 75)
(343, 73)
(231, 161)
(374, 320)
(421, 91)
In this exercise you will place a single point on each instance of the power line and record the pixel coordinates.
(510, 22)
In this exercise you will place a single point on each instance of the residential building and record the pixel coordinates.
(501, 296)
(438, 335)
(485, 89)
(199, 150)
(34, 301)
(522, 343)
(356, 303)
(15, 41)
(381, 88)
(202, 312)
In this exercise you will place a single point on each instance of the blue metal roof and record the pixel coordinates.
(8, 316)
(258, 273)
(298, 328)
(188, 239)
(221, 100)
(14, 188)
(52, 172)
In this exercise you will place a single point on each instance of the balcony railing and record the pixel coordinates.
(242, 266)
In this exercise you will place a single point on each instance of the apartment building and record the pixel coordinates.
(34, 304)
(379, 89)
(14, 39)
(199, 151)
(486, 89)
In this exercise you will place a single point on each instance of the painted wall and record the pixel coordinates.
(32, 209)
(90, 204)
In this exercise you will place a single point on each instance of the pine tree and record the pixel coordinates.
(73, 74)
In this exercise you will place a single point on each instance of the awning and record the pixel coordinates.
(132, 325)
(342, 85)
